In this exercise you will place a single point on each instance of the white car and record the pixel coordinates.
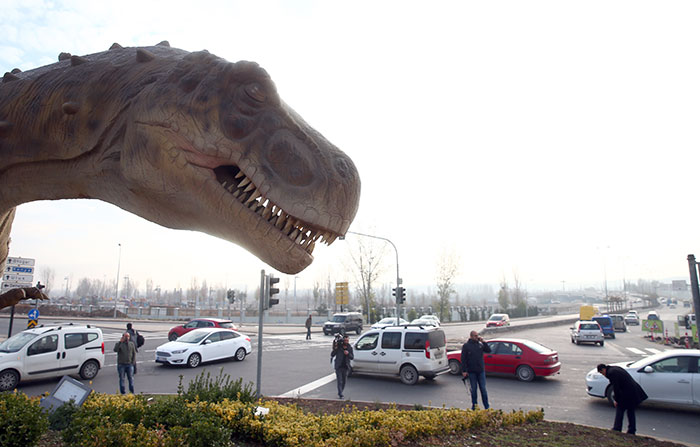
(388, 321)
(430, 317)
(51, 351)
(204, 345)
(670, 377)
(425, 322)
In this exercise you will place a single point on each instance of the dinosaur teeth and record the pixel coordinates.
(298, 238)
(250, 187)
(310, 248)
(240, 174)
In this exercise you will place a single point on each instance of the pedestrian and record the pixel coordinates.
(308, 328)
(126, 354)
(342, 351)
(473, 367)
(133, 335)
(627, 395)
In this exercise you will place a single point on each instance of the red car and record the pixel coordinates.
(179, 331)
(498, 320)
(523, 358)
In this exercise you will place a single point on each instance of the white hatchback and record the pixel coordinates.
(204, 345)
(388, 321)
(670, 377)
(51, 351)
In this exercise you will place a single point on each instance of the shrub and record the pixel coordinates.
(205, 388)
(23, 421)
(62, 416)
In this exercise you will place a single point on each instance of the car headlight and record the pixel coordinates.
(179, 351)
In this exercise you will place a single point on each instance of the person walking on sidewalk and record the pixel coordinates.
(133, 340)
(342, 351)
(126, 354)
(308, 328)
(473, 366)
(627, 395)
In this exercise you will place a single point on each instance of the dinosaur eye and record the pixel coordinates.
(256, 92)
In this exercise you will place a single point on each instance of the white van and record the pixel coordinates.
(51, 351)
(405, 351)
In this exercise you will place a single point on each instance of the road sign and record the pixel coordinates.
(33, 314)
(14, 285)
(342, 293)
(19, 269)
(654, 326)
(25, 262)
(31, 323)
(17, 278)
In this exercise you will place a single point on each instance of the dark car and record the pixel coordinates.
(606, 324)
(343, 322)
(525, 359)
(179, 331)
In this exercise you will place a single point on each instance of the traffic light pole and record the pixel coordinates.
(398, 278)
(263, 297)
(692, 264)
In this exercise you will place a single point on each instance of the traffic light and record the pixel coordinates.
(402, 295)
(271, 281)
(394, 294)
(231, 296)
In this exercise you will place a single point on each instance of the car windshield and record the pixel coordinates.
(226, 325)
(590, 327)
(338, 318)
(17, 342)
(496, 317)
(538, 348)
(193, 337)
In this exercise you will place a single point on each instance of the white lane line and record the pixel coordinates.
(637, 351)
(309, 386)
(653, 350)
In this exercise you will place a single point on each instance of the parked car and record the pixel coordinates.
(632, 318)
(431, 317)
(653, 315)
(204, 345)
(498, 320)
(198, 323)
(425, 322)
(670, 377)
(587, 332)
(51, 351)
(388, 321)
(525, 359)
(606, 324)
(619, 324)
(343, 322)
(404, 351)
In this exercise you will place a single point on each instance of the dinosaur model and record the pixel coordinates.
(186, 140)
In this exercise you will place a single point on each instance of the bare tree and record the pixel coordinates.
(367, 257)
(447, 268)
(503, 293)
(47, 275)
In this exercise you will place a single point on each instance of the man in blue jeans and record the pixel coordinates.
(126, 354)
(473, 365)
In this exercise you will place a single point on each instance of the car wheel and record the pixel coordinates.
(613, 336)
(172, 336)
(194, 360)
(602, 342)
(578, 342)
(609, 395)
(240, 354)
(455, 367)
(89, 370)
(8, 380)
(525, 373)
(358, 330)
(572, 339)
(409, 374)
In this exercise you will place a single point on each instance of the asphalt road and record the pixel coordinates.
(294, 366)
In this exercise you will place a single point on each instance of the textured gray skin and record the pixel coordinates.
(169, 135)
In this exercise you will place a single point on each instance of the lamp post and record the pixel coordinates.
(116, 294)
(398, 279)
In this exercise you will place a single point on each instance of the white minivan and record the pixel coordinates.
(51, 351)
(406, 351)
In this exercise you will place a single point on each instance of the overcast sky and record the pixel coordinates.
(554, 139)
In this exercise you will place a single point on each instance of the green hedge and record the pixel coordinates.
(22, 421)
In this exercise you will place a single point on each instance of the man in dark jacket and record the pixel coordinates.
(473, 365)
(308, 328)
(627, 395)
(342, 351)
(132, 339)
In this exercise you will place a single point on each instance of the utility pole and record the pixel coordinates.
(692, 264)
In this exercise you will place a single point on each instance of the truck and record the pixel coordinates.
(586, 313)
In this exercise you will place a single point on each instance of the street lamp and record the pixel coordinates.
(116, 294)
(398, 279)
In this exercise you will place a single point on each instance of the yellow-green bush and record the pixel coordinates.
(22, 421)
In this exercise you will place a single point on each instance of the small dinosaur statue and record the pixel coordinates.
(186, 140)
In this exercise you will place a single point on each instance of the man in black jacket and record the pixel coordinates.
(627, 395)
(342, 351)
(473, 365)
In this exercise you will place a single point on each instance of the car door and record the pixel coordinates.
(212, 348)
(42, 358)
(670, 380)
(508, 356)
(390, 352)
(696, 381)
(490, 360)
(229, 344)
(366, 353)
(73, 352)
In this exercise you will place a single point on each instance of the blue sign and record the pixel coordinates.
(33, 314)
(16, 269)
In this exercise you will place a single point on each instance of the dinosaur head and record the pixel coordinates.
(209, 146)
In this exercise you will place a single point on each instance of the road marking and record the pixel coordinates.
(309, 386)
(653, 350)
(637, 351)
